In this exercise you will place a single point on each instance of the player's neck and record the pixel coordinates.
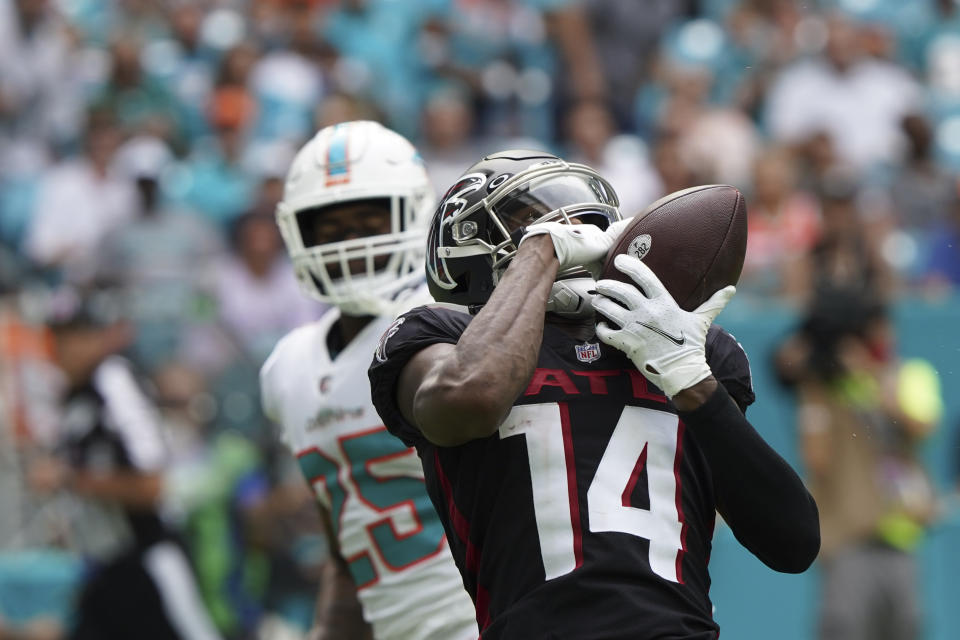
(344, 330)
(578, 328)
(351, 326)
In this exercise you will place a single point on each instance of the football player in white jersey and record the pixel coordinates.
(353, 217)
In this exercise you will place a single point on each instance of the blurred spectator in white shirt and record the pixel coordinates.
(858, 100)
(287, 83)
(40, 95)
(78, 203)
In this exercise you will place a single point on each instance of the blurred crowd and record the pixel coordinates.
(143, 145)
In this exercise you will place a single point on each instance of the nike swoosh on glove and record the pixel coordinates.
(666, 343)
(578, 245)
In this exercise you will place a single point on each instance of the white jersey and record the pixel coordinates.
(369, 482)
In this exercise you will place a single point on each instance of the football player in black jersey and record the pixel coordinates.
(578, 483)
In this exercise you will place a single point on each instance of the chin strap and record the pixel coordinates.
(570, 298)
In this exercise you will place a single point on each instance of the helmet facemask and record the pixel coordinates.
(356, 201)
(363, 275)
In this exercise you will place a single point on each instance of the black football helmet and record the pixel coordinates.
(475, 230)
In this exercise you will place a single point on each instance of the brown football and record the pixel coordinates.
(695, 241)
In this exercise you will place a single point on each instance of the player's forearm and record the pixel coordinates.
(493, 361)
(338, 613)
(762, 498)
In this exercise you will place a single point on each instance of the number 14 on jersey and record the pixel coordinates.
(643, 439)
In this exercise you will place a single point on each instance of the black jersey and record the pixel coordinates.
(590, 513)
(110, 425)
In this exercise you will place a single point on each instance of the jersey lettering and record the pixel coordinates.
(550, 378)
(553, 479)
(571, 382)
(400, 538)
(643, 440)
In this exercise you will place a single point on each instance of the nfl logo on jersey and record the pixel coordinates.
(588, 352)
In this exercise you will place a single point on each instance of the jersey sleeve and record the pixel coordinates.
(275, 380)
(730, 366)
(410, 333)
(131, 414)
(761, 497)
(269, 391)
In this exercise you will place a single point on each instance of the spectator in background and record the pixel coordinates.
(783, 224)
(142, 19)
(621, 159)
(140, 103)
(40, 98)
(923, 192)
(79, 202)
(846, 257)
(162, 258)
(519, 60)
(287, 82)
(817, 161)
(213, 181)
(674, 173)
(255, 289)
(859, 101)
(24, 164)
(627, 41)
(186, 67)
(344, 107)
(721, 144)
(717, 141)
(376, 62)
(448, 138)
(862, 414)
(140, 584)
(766, 31)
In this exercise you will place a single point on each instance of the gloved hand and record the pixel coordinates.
(666, 343)
(579, 245)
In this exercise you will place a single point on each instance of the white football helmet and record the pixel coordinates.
(351, 161)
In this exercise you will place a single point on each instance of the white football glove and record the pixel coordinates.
(579, 245)
(666, 343)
